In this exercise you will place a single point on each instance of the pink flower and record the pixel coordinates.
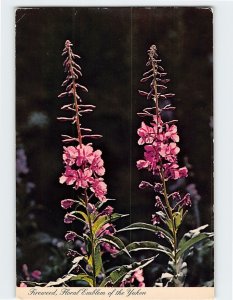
(155, 219)
(138, 275)
(141, 284)
(142, 164)
(146, 134)
(36, 274)
(97, 164)
(67, 203)
(109, 248)
(183, 172)
(107, 211)
(158, 202)
(83, 178)
(107, 228)
(69, 218)
(186, 201)
(71, 236)
(145, 185)
(99, 187)
(169, 151)
(171, 133)
(178, 173)
(69, 155)
(84, 155)
(22, 284)
(69, 177)
(151, 154)
(175, 196)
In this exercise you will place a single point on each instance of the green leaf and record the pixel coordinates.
(99, 204)
(101, 220)
(87, 243)
(83, 277)
(85, 218)
(191, 233)
(80, 202)
(105, 281)
(148, 245)
(77, 218)
(126, 270)
(98, 260)
(191, 239)
(169, 224)
(148, 227)
(178, 219)
(115, 241)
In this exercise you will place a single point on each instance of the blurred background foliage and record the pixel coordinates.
(112, 43)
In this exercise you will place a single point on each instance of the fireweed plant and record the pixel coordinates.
(159, 139)
(83, 171)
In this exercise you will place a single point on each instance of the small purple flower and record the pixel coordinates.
(72, 253)
(186, 201)
(175, 196)
(71, 236)
(69, 218)
(158, 202)
(36, 274)
(158, 187)
(155, 219)
(145, 185)
(107, 211)
(67, 203)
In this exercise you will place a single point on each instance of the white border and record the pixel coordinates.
(223, 132)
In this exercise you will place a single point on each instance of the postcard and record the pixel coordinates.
(114, 153)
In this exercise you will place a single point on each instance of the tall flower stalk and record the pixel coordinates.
(83, 170)
(160, 145)
(159, 139)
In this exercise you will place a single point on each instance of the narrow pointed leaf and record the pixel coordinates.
(83, 277)
(148, 227)
(148, 245)
(191, 239)
(115, 241)
(105, 281)
(101, 220)
(98, 260)
(192, 242)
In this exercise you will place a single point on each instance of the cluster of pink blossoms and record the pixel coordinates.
(159, 139)
(83, 166)
(137, 278)
(161, 149)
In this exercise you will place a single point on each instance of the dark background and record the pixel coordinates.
(112, 43)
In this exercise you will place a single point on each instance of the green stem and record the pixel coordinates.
(92, 241)
(169, 214)
(80, 143)
(172, 219)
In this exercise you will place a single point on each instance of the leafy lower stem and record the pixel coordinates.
(92, 240)
(174, 229)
